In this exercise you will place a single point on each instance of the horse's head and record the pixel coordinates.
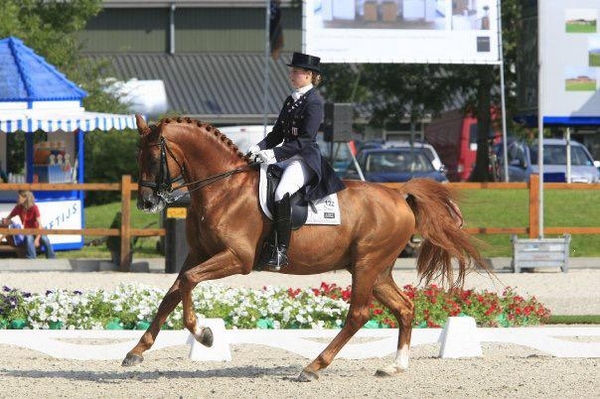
(158, 168)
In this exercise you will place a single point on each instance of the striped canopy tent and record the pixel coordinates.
(34, 96)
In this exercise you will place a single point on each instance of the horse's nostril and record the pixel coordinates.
(144, 204)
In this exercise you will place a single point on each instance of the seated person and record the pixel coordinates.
(29, 214)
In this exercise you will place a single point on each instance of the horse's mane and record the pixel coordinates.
(209, 129)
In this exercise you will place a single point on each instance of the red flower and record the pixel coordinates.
(431, 324)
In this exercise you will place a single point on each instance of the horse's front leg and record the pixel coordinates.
(167, 305)
(221, 265)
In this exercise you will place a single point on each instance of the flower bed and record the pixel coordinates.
(132, 306)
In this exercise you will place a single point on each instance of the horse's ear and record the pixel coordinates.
(143, 128)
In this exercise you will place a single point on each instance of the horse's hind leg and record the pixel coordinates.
(387, 292)
(358, 314)
(167, 305)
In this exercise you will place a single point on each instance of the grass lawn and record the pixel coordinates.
(589, 27)
(509, 208)
(101, 217)
(580, 86)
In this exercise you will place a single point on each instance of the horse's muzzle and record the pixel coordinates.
(148, 202)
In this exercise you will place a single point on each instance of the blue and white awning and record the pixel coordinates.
(29, 121)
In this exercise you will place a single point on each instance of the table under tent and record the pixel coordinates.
(36, 100)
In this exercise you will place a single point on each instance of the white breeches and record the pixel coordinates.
(295, 175)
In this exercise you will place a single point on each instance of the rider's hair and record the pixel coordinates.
(316, 78)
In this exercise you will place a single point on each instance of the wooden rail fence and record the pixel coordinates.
(126, 232)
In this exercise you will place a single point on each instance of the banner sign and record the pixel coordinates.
(402, 31)
(569, 53)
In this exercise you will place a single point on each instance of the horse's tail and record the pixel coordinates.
(439, 222)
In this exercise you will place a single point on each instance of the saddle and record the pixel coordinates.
(297, 203)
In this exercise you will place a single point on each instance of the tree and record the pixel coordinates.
(484, 96)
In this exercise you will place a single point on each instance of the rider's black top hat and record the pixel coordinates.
(305, 61)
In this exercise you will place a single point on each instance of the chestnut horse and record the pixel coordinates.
(225, 229)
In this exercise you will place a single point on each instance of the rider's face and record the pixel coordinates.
(300, 77)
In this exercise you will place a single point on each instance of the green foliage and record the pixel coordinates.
(270, 307)
(108, 156)
(434, 305)
(13, 306)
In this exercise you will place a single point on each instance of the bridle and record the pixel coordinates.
(163, 184)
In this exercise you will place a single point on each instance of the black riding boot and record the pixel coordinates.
(274, 255)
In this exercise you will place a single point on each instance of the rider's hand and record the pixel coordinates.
(253, 150)
(266, 156)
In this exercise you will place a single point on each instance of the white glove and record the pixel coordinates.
(254, 150)
(266, 156)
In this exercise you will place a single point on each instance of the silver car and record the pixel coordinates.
(523, 161)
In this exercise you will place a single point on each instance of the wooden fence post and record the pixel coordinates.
(126, 250)
(534, 197)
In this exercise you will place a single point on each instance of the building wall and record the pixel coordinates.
(200, 29)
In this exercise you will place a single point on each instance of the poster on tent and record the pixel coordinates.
(570, 55)
(402, 31)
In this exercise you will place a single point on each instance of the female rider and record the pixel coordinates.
(298, 155)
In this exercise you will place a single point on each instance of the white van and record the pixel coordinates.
(245, 136)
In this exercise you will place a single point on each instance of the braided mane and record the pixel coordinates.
(227, 142)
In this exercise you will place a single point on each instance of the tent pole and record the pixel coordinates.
(540, 130)
(502, 96)
(267, 51)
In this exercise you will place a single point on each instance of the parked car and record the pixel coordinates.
(523, 161)
(394, 164)
(429, 150)
(337, 154)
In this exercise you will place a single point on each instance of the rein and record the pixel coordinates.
(163, 186)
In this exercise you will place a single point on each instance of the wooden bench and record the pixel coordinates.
(7, 246)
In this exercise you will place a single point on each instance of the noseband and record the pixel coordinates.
(163, 184)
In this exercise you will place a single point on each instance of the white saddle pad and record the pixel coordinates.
(328, 209)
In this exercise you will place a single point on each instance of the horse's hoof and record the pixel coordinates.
(390, 371)
(206, 337)
(307, 375)
(132, 359)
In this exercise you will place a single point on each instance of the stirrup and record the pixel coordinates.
(271, 258)
(277, 261)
